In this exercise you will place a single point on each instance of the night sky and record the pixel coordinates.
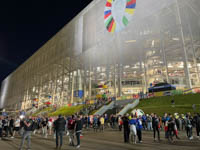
(26, 25)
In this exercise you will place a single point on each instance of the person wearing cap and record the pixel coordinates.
(60, 129)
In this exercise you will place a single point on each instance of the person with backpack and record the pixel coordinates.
(28, 124)
(172, 129)
(60, 129)
(71, 126)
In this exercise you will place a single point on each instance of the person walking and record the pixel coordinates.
(27, 133)
(44, 127)
(172, 130)
(78, 130)
(60, 129)
(11, 126)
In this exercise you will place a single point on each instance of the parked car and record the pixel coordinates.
(160, 87)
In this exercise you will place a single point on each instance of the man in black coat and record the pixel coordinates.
(196, 121)
(78, 130)
(60, 129)
(155, 125)
(126, 129)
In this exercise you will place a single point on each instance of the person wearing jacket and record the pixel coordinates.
(126, 129)
(155, 125)
(133, 131)
(188, 127)
(60, 129)
(139, 129)
(78, 130)
(196, 121)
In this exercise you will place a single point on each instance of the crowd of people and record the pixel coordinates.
(132, 125)
(170, 124)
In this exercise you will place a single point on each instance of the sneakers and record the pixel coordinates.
(78, 146)
(191, 138)
(12, 137)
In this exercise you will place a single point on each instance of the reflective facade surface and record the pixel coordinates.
(160, 44)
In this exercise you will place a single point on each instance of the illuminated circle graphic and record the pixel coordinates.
(118, 13)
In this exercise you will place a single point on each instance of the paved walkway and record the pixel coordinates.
(109, 140)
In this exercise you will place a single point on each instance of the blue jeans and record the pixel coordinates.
(27, 134)
(59, 134)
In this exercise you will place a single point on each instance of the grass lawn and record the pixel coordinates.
(66, 110)
(160, 105)
(48, 109)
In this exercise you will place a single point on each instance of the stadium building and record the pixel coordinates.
(113, 47)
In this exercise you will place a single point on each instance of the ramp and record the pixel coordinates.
(128, 107)
(103, 109)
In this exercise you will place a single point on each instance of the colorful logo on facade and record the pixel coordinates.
(118, 13)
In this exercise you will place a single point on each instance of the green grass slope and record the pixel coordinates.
(160, 105)
(66, 111)
(45, 110)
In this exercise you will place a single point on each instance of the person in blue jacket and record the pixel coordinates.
(139, 128)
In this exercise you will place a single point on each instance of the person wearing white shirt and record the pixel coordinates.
(16, 126)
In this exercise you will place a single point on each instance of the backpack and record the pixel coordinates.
(34, 126)
(71, 124)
